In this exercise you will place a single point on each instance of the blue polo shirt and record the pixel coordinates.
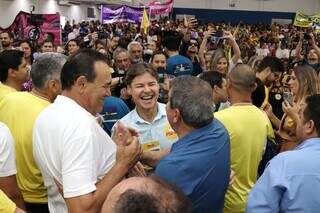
(199, 163)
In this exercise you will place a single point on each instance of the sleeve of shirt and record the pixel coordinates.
(6, 205)
(79, 175)
(265, 196)
(7, 153)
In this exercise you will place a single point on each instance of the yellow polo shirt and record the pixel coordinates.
(19, 111)
(5, 90)
(248, 128)
(6, 205)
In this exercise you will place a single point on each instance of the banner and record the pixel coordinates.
(35, 27)
(302, 20)
(157, 8)
(122, 14)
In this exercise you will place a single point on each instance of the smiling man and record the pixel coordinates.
(149, 117)
(72, 149)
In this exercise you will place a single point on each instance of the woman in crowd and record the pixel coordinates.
(303, 82)
(26, 47)
(219, 60)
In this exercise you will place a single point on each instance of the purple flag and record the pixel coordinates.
(121, 14)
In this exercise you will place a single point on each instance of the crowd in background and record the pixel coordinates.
(188, 117)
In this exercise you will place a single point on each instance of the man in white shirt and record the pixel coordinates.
(72, 150)
(8, 171)
(282, 52)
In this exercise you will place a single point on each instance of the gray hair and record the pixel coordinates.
(133, 43)
(193, 97)
(118, 51)
(46, 67)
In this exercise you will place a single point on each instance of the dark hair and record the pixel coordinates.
(214, 78)
(180, 203)
(312, 111)
(9, 59)
(193, 98)
(97, 42)
(47, 41)
(71, 40)
(132, 201)
(10, 34)
(140, 69)
(81, 64)
(275, 64)
(172, 40)
(162, 198)
(31, 48)
(157, 53)
(259, 94)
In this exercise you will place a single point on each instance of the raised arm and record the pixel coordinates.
(314, 45)
(299, 47)
(203, 48)
(236, 50)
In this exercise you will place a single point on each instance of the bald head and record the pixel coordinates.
(142, 194)
(242, 79)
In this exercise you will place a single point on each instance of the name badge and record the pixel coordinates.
(151, 146)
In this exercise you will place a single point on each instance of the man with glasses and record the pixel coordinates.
(190, 50)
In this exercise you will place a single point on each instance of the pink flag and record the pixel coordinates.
(157, 8)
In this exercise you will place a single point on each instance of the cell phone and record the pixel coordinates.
(218, 34)
(161, 72)
(288, 96)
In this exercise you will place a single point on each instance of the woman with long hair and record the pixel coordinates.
(27, 48)
(219, 60)
(303, 82)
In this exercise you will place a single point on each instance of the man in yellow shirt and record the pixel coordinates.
(13, 71)
(248, 128)
(19, 111)
(7, 206)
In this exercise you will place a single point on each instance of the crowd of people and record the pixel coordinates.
(189, 117)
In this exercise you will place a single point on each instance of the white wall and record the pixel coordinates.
(307, 6)
(10, 8)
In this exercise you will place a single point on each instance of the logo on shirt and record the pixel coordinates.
(169, 133)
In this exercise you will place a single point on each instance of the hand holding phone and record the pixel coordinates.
(288, 97)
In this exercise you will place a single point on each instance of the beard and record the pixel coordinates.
(5, 44)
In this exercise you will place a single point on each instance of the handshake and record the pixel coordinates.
(128, 149)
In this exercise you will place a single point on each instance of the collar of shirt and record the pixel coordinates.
(192, 136)
(61, 99)
(8, 87)
(161, 113)
(311, 142)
